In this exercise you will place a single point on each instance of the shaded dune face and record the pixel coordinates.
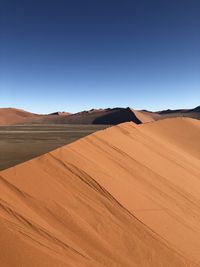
(125, 196)
(116, 117)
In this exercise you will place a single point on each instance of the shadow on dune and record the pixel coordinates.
(116, 117)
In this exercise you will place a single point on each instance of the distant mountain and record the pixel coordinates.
(197, 109)
(171, 111)
(190, 113)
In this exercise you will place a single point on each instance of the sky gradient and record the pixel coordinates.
(78, 54)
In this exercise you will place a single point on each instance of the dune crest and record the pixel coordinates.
(124, 196)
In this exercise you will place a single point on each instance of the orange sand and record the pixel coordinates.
(144, 116)
(125, 196)
(13, 115)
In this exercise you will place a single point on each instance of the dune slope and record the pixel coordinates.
(13, 115)
(124, 196)
(110, 116)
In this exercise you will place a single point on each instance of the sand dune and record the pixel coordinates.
(19, 143)
(14, 116)
(109, 116)
(125, 196)
(96, 116)
(144, 116)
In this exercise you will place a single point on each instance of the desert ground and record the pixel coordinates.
(21, 143)
(126, 196)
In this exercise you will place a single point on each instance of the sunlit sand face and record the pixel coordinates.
(127, 195)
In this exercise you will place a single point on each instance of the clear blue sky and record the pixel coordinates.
(78, 54)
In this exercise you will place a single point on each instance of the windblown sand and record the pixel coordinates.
(125, 196)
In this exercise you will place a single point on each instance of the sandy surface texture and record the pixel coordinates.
(126, 196)
(21, 143)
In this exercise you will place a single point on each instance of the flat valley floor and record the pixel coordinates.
(19, 143)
